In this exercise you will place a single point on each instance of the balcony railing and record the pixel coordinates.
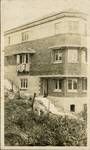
(23, 67)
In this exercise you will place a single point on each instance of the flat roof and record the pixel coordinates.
(48, 18)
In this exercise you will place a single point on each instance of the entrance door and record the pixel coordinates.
(45, 87)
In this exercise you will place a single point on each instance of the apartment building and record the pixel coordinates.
(49, 57)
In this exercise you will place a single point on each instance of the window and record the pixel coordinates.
(85, 107)
(25, 36)
(23, 58)
(72, 55)
(83, 28)
(73, 26)
(27, 58)
(10, 60)
(58, 84)
(58, 56)
(9, 40)
(60, 27)
(24, 83)
(84, 84)
(83, 56)
(72, 85)
(72, 108)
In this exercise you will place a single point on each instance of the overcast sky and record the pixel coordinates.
(19, 12)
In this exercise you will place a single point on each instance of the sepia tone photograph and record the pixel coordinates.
(45, 73)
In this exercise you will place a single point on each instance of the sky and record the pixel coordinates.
(19, 12)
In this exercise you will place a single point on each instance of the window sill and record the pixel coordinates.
(24, 41)
(72, 91)
(57, 62)
(57, 90)
(84, 63)
(84, 91)
(23, 89)
(73, 62)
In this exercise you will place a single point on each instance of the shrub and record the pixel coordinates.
(42, 130)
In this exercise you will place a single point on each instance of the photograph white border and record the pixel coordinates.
(3, 147)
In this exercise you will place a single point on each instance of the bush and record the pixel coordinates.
(41, 130)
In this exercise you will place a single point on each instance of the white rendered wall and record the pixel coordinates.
(51, 28)
(65, 102)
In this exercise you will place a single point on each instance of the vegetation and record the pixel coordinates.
(26, 128)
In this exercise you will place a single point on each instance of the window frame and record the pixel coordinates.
(57, 83)
(24, 36)
(72, 85)
(58, 53)
(85, 57)
(73, 26)
(23, 83)
(60, 27)
(9, 40)
(84, 84)
(23, 58)
(68, 58)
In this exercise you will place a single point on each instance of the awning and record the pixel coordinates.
(66, 46)
(61, 76)
(18, 50)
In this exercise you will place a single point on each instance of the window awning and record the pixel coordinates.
(19, 50)
(66, 46)
(61, 76)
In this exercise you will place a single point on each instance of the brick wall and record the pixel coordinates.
(42, 61)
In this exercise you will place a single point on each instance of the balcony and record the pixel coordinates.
(23, 68)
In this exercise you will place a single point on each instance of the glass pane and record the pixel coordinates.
(75, 84)
(70, 84)
(83, 57)
(84, 84)
(73, 26)
(9, 39)
(56, 56)
(20, 58)
(23, 58)
(26, 58)
(56, 86)
(60, 56)
(26, 83)
(61, 27)
(21, 83)
(73, 56)
(60, 84)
